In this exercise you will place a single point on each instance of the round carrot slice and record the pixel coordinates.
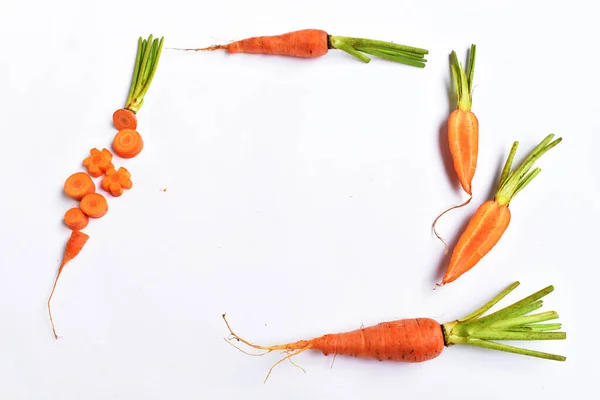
(94, 205)
(124, 119)
(78, 185)
(127, 143)
(75, 219)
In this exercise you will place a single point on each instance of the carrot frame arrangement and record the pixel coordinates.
(314, 43)
(423, 339)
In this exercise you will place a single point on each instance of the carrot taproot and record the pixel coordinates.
(94, 205)
(98, 162)
(463, 131)
(78, 185)
(73, 247)
(124, 119)
(314, 43)
(417, 340)
(76, 219)
(492, 218)
(127, 143)
(116, 180)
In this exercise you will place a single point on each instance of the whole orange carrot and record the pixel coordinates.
(422, 339)
(313, 43)
(492, 218)
(463, 130)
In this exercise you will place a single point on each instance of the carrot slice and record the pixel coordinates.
(76, 219)
(94, 205)
(127, 143)
(124, 119)
(78, 185)
(117, 180)
(98, 162)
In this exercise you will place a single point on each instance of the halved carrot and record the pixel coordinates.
(116, 180)
(124, 118)
(94, 205)
(78, 185)
(76, 219)
(127, 143)
(98, 162)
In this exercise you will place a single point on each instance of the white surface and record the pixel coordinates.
(299, 197)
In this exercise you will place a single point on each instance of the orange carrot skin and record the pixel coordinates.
(124, 119)
(76, 242)
(483, 232)
(76, 219)
(306, 43)
(463, 138)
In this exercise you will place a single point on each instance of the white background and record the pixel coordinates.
(300, 196)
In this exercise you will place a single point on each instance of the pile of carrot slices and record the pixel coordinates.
(127, 143)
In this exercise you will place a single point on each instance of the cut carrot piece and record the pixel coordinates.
(78, 185)
(124, 119)
(76, 219)
(115, 181)
(127, 143)
(98, 162)
(94, 205)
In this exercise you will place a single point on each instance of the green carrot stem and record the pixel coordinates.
(396, 58)
(508, 164)
(480, 311)
(412, 56)
(350, 50)
(463, 81)
(147, 57)
(524, 320)
(386, 50)
(155, 59)
(512, 349)
(471, 68)
(537, 327)
(136, 70)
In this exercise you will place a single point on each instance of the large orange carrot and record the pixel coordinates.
(463, 130)
(491, 219)
(74, 245)
(313, 43)
(422, 339)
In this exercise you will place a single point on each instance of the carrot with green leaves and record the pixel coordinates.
(463, 130)
(491, 219)
(314, 43)
(421, 339)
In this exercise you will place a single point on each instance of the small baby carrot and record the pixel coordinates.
(94, 205)
(127, 143)
(76, 219)
(78, 185)
(98, 162)
(74, 245)
(116, 180)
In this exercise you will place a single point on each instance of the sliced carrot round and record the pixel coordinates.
(78, 185)
(124, 119)
(94, 205)
(127, 143)
(76, 219)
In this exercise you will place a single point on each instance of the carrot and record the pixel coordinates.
(127, 143)
(491, 219)
(146, 62)
(313, 43)
(94, 205)
(463, 131)
(74, 245)
(78, 185)
(98, 162)
(117, 180)
(422, 339)
(76, 219)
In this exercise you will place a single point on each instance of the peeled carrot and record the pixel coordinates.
(492, 218)
(94, 205)
(76, 219)
(117, 180)
(422, 339)
(74, 245)
(98, 162)
(127, 143)
(463, 131)
(78, 185)
(313, 43)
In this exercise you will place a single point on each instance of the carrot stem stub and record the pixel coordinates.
(423, 339)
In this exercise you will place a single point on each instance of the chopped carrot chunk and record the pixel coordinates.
(117, 180)
(98, 162)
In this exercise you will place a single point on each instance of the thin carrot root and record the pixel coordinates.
(439, 216)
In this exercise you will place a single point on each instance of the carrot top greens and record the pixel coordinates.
(463, 81)
(509, 323)
(512, 183)
(146, 62)
(390, 51)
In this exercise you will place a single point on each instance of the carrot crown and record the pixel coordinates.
(146, 62)
(390, 51)
(509, 323)
(513, 182)
(463, 81)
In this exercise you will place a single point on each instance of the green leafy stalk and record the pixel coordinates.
(511, 183)
(408, 55)
(146, 62)
(508, 323)
(463, 81)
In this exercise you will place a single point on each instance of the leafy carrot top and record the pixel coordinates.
(463, 81)
(146, 62)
